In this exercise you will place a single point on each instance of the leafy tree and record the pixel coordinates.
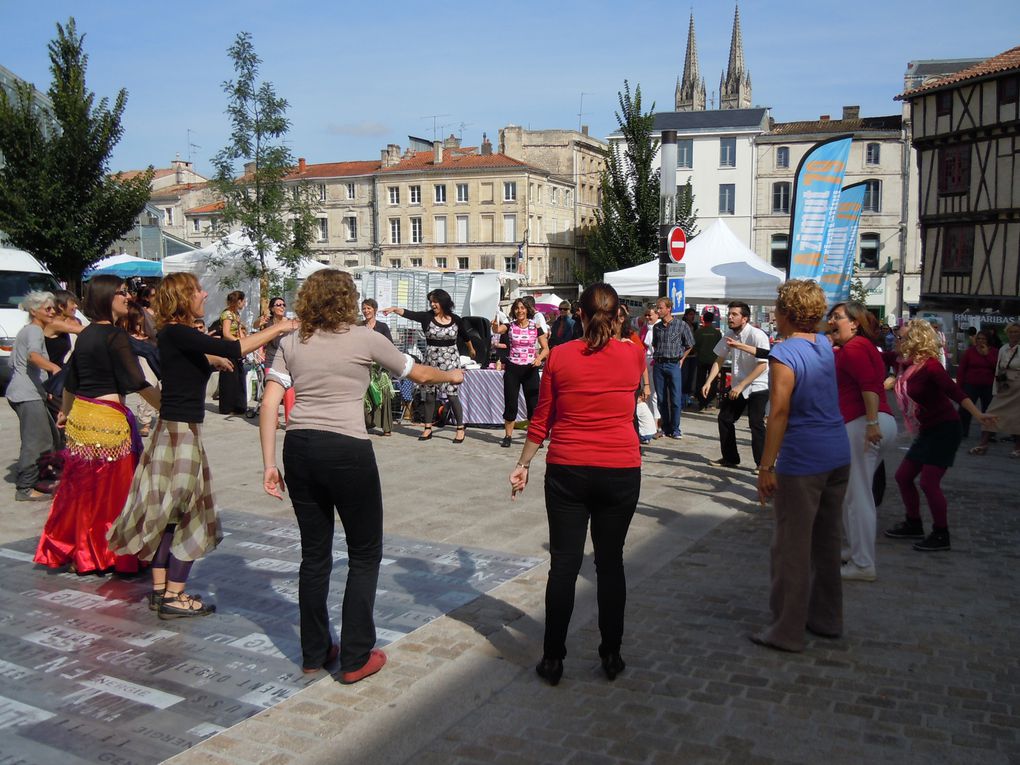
(275, 216)
(626, 231)
(57, 198)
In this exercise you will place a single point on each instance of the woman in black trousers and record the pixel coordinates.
(528, 348)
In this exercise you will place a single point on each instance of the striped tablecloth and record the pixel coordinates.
(482, 398)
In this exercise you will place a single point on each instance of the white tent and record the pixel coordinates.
(719, 268)
(227, 250)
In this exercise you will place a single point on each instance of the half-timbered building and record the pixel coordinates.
(966, 130)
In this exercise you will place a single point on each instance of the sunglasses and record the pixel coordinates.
(278, 305)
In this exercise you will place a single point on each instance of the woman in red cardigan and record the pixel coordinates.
(593, 471)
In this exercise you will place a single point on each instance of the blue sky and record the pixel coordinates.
(361, 75)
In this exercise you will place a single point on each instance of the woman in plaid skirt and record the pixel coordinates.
(170, 516)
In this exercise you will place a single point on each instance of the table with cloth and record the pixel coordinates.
(481, 395)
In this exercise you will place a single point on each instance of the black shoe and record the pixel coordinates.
(550, 670)
(180, 605)
(908, 529)
(505, 443)
(936, 541)
(612, 665)
(426, 435)
(723, 463)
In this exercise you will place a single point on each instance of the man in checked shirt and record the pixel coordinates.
(671, 342)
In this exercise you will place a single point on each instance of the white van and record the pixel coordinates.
(20, 274)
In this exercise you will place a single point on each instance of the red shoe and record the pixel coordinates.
(331, 654)
(375, 662)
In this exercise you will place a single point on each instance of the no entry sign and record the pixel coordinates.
(676, 244)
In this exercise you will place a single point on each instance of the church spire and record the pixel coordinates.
(735, 86)
(690, 90)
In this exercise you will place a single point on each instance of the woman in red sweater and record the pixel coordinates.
(926, 394)
(976, 374)
(593, 470)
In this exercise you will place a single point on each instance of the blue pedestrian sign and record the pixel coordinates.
(675, 290)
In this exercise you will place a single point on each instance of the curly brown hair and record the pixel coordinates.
(327, 301)
(802, 302)
(172, 302)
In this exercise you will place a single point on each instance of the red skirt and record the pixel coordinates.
(91, 494)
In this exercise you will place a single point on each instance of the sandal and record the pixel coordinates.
(425, 434)
(978, 450)
(462, 432)
(179, 605)
(155, 598)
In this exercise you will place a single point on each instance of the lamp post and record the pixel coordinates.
(667, 200)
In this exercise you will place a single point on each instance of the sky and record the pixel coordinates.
(358, 76)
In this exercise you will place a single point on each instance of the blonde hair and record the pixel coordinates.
(327, 301)
(802, 302)
(920, 341)
(172, 302)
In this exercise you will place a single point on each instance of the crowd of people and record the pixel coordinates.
(595, 387)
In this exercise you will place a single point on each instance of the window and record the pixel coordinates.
(727, 152)
(394, 195)
(462, 192)
(555, 196)
(957, 250)
(954, 170)
(779, 251)
(295, 192)
(415, 193)
(685, 153)
(322, 192)
(441, 262)
(1008, 90)
(196, 225)
(538, 194)
(415, 262)
(462, 264)
(323, 229)
(872, 154)
(510, 264)
(509, 191)
(487, 261)
(350, 228)
(350, 191)
(781, 198)
(873, 196)
(783, 156)
(509, 228)
(726, 193)
(462, 229)
(440, 193)
(394, 262)
(870, 245)
(944, 103)
(169, 214)
(416, 231)
(567, 197)
(394, 230)
(439, 229)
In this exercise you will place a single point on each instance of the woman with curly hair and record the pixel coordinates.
(330, 465)
(442, 329)
(805, 466)
(926, 395)
(170, 517)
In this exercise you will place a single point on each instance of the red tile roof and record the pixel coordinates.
(335, 169)
(171, 192)
(893, 122)
(1004, 62)
(204, 209)
(454, 159)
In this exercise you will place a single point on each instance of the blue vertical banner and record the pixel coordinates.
(841, 245)
(816, 193)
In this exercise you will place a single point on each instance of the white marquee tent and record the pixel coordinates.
(719, 268)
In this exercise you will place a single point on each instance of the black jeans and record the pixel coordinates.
(981, 395)
(573, 494)
(516, 377)
(729, 412)
(327, 472)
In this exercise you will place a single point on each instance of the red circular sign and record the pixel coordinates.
(676, 244)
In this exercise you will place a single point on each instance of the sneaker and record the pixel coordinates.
(723, 463)
(31, 495)
(934, 542)
(645, 439)
(908, 529)
(505, 443)
(676, 436)
(852, 572)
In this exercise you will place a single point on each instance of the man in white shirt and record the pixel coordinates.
(749, 387)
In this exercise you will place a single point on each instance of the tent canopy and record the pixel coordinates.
(124, 266)
(719, 268)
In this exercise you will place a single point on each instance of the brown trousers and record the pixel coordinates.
(807, 590)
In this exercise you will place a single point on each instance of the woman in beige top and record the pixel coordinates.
(330, 465)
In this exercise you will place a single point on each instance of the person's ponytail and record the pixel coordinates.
(600, 308)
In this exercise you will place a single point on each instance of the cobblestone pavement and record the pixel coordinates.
(926, 672)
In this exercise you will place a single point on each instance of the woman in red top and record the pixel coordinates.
(593, 470)
(870, 425)
(976, 374)
(926, 394)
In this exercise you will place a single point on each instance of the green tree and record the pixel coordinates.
(57, 198)
(626, 231)
(276, 216)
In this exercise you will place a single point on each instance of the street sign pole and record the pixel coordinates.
(667, 202)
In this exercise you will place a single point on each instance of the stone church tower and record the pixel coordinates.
(690, 91)
(735, 84)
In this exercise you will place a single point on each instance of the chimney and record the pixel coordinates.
(824, 118)
(453, 142)
(178, 165)
(249, 168)
(486, 146)
(437, 152)
(851, 112)
(390, 155)
(584, 130)
(301, 164)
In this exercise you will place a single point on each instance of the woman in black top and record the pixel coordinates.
(169, 517)
(102, 438)
(442, 329)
